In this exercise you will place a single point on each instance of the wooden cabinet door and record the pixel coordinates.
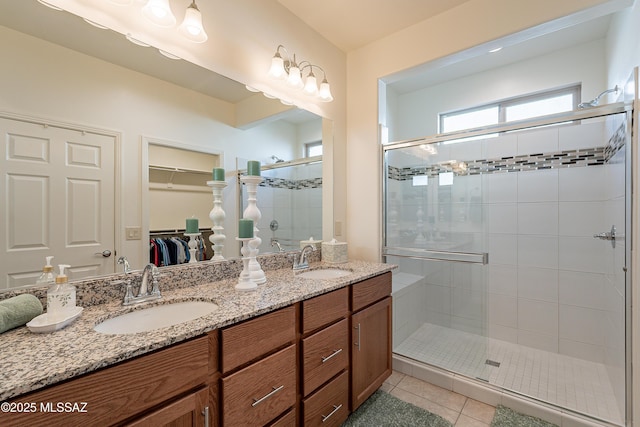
(371, 350)
(192, 410)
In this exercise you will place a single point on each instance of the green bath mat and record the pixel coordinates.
(384, 410)
(506, 417)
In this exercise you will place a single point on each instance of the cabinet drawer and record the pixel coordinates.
(329, 405)
(369, 291)
(287, 420)
(324, 309)
(260, 392)
(249, 340)
(325, 354)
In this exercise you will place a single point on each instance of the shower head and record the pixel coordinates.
(594, 102)
(277, 159)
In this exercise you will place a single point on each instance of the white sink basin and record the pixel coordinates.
(156, 317)
(325, 273)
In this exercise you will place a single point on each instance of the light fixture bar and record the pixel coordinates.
(288, 69)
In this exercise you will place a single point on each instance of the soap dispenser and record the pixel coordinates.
(61, 296)
(48, 277)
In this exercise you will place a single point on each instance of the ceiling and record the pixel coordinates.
(352, 24)
(347, 24)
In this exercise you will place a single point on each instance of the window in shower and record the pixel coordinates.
(312, 149)
(519, 108)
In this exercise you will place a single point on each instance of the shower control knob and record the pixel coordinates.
(608, 235)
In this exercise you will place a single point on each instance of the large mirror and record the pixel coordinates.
(106, 101)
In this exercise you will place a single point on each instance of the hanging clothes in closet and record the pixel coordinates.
(173, 250)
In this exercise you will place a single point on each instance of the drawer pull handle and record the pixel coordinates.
(205, 413)
(336, 352)
(268, 395)
(335, 409)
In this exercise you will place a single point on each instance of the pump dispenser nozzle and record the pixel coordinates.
(47, 277)
(62, 278)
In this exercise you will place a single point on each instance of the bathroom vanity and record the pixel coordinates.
(295, 352)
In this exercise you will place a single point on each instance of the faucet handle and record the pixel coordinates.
(128, 295)
(155, 288)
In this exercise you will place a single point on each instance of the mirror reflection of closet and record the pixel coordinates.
(178, 190)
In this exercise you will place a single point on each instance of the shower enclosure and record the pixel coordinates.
(513, 249)
(290, 201)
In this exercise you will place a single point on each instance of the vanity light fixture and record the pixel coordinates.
(191, 27)
(291, 71)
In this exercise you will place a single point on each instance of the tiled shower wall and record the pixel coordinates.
(549, 284)
(293, 197)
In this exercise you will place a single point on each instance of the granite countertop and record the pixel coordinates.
(31, 361)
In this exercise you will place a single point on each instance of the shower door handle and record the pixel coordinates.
(608, 235)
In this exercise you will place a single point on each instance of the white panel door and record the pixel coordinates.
(57, 195)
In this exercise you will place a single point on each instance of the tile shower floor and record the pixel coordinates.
(561, 380)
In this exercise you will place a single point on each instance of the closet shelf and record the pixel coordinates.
(178, 170)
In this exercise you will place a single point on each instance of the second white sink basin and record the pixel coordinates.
(325, 273)
(156, 317)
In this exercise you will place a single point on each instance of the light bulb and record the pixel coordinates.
(311, 86)
(295, 78)
(277, 67)
(325, 91)
(159, 12)
(192, 27)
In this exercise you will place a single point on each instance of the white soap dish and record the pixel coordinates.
(43, 324)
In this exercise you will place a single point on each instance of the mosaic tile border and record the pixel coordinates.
(292, 184)
(527, 162)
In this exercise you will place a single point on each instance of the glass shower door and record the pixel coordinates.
(513, 256)
(434, 231)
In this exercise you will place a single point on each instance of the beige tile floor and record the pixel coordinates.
(459, 410)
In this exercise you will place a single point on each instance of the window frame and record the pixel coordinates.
(309, 145)
(503, 105)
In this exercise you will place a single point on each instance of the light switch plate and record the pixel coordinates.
(337, 229)
(133, 233)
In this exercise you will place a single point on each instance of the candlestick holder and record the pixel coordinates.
(252, 212)
(244, 281)
(192, 246)
(420, 239)
(217, 216)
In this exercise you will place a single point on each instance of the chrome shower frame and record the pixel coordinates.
(581, 114)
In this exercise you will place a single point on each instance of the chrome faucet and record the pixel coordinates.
(303, 263)
(144, 294)
(125, 264)
(274, 242)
